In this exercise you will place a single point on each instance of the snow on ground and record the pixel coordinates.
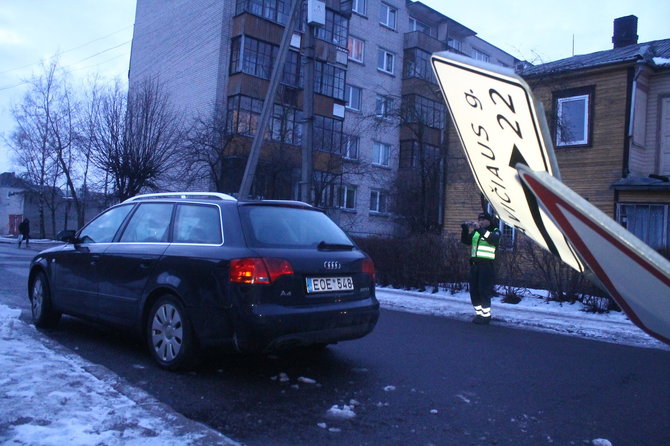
(51, 396)
(534, 312)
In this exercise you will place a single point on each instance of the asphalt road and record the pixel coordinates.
(416, 380)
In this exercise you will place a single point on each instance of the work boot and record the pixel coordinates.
(481, 320)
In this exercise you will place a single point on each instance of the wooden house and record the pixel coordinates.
(609, 116)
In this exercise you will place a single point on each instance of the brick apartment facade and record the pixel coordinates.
(379, 126)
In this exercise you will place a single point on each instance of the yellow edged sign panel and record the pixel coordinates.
(499, 126)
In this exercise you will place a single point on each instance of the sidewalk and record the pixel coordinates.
(35, 244)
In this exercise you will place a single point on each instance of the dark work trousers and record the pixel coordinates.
(481, 286)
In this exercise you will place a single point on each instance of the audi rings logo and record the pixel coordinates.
(332, 264)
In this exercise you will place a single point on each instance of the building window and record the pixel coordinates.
(381, 154)
(346, 197)
(274, 10)
(479, 55)
(286, 125)
(383, 106)
(417, 64)
(388, 15)
(356, 49)
(359, 6)
(329, 80)
(648, 222)
(423, 111)
(353, 97)
(378, 200)
(455, 44)
(243, 115)
(335, 30)
(252, 56)
(416, 25)
(350, 151)
(573, 117)
(293, 73)
(412, 153)
(328, 136)
(385, 61)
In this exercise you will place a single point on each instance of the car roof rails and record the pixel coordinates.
(194, 195)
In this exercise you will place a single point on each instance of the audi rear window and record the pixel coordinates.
(279, 227)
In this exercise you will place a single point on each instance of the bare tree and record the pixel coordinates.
(420, 181)
(136, 139)
(418, 188)
(32, 138)
(208, 145)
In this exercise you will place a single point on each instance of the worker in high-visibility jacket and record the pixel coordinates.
(483, 240)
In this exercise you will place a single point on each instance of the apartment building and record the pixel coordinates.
(380, 138)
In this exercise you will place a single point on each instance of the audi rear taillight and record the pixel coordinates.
(258, 270)
(369, 268)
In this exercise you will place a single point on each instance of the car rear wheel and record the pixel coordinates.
(170, 335)
(41, 307)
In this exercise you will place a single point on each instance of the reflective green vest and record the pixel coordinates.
(481, 249)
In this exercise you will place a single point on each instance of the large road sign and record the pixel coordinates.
(636, 276)
(499, 126)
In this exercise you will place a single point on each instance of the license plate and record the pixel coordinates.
(326, 284)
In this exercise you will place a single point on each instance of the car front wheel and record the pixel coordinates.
(169, 334)
(41, 306)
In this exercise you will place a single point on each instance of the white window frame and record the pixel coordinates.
(388, 16)
(480, 55)
(383, 105)
(584, 139)
(454, 43)
(352, 147)
(343, 194)
(418, 25)
(381, 154)
(356, 49)
(378, 201)
(349, 97)
(385, 61)
(359, 6)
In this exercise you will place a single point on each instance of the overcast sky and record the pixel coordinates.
(93, 36)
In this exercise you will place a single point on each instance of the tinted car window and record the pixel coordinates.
(150, 223)
(104, 227)
(197, 224)
(273, 226)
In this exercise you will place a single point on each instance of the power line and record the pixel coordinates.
(70, 49)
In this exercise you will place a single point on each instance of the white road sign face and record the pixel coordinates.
(496, 120)
(635, 275)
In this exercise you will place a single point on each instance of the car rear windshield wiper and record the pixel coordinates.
(325, 246)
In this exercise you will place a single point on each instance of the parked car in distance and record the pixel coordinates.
(188, 271)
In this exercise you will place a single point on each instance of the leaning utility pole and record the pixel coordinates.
(277, 72)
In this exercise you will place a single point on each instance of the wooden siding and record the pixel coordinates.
(629, 196)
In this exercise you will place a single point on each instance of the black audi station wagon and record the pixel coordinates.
(189, 271)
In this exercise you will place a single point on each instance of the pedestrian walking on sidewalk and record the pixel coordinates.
(484, 240)
(24, 232)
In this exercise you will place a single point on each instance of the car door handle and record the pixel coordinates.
(94, 260)
(146, 263)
